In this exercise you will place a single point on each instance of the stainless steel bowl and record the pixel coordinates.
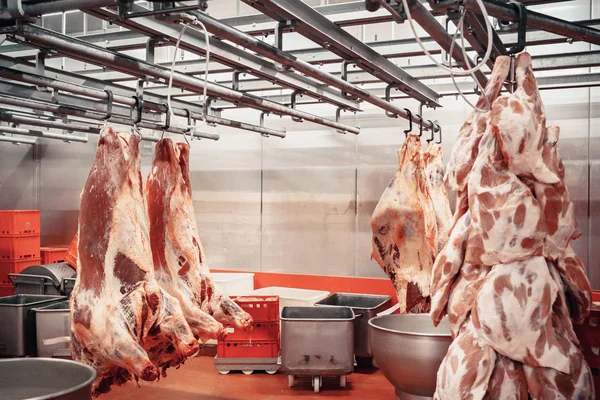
(409, 351)
(45, 379)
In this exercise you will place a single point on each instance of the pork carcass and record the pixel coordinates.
(508, 381)
(404, 229)
(507, 221)
(179, 260)
(434, 170)
(519, 123)
(123, 324)
(577, 289)
(465, 150)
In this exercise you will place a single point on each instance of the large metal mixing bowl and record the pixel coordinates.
(45, 379)
(409, 351)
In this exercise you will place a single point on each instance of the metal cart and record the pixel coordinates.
(317, 342)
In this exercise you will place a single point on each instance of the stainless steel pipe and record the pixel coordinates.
(42, 134)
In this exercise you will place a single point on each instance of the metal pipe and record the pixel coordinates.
(14, 140)
(536, 20)
(58, 109)
(42, 134)
(18, 119)
(45, 81)
(441, 36)
(266, 50)
(79, 49)
(37, 8)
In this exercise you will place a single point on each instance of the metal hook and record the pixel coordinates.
(388, 90)
(410, 117)
(138, 117)
(295, 93)
(262, 122)
(432, 131)
(338, 113)
(207, 109)
(440, 132)
(109, 104)
(521, 29)
(420, 124)
(167, 124)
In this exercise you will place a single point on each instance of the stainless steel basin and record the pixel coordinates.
(45, 379)
(409, 351)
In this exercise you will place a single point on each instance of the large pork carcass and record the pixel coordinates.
(404, 230)
(179, 260)
(434, 171)
(520, 286)
(123, 324)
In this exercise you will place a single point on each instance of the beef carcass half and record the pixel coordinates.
(179, 260)
(434, 170)
(123, 324)
(404, 230)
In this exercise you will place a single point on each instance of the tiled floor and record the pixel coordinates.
(198, 380)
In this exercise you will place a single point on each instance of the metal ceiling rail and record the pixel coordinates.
(264, 49)
(68, 126)
(505, 12)
(7, 98)
(43, 81)
(42, 134)
(321, 30)
(81, 50)
(17, 140)
(224, 53)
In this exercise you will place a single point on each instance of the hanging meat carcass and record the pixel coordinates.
(520, 285)
(434, 171)
(179, 260)
(123, 324)
(404, 229)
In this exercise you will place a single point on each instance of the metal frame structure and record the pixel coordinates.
(75, 101)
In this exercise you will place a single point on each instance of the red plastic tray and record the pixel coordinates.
(15, 267)
(261, 308)
(19, 222)
(6, 290)
(52, 255)
(19, 247)
(261, 331)
(247, 349)
(71, 256)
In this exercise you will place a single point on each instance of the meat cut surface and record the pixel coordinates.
(179, 260)
(123, 324)
(404, 229)
(434, 170)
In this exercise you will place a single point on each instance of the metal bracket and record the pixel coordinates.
(344, 76)
(151, 44)
(280, 28)
(235, 80)
(293, 104)
(521, 29)
(40, 66)
(262, 122)
(338, 112)
(138, 109)
(432, 131)
(167, 124)
(109, 104)
(208, 105)
(123, 8)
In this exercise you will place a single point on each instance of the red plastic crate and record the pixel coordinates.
(15, 267)
(19, 222)
(19, 247)
(6, 290)
(247, 349)
(71, 256)
(261, 308)
(261, 331)
(52, 255)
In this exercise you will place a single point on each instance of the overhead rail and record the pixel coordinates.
(43, 134)
(319, 29)
(17, 140)
(6, 116)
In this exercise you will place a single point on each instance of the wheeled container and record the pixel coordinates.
(317, 342)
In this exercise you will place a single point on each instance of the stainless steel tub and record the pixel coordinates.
(409, 351)
(365, 307)
(51, 322)
(317, 340)
(45, 379)
(17, 330)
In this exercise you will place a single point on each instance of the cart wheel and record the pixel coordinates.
(316, 383)
(291, 380)
(271, 372)
(246, 372)
(224, 372)
(343, 381)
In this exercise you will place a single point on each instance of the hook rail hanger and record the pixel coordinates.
(410, 124)
(440, 132)
(432, 131)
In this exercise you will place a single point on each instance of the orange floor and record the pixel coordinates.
(198, 380)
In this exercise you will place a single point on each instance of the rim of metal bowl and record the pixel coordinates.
(405, 332)
(58, 361)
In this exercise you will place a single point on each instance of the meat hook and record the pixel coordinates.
(138, 118)
(420, 124)
(409, 130)
(109, 104)
(440, 132)
(167, 121)
(432, 130)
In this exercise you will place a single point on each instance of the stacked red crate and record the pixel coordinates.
(53, 255)
(19, 242)
(263, 340)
